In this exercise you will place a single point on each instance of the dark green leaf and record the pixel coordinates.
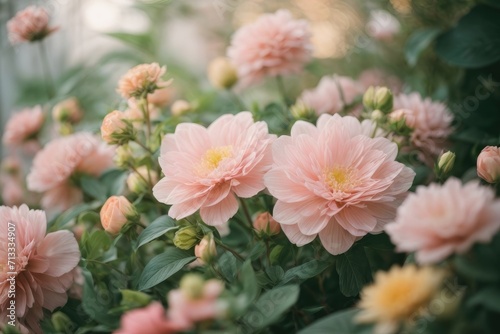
(418, 42)
(157, 228)
(338, 323)
(72, 213)
(250, 286)
(96, 302)
(93, 187)
(305, 271)
(114, 181)
(354, 271)
(228, 266)
(488, 298)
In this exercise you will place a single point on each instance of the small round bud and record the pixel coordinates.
(488, 164)
(445, 163)
(116, 212)
(192, 286)
(368, 98)
(222, 73)
(301, 111)
(116, 129)
(186, 237)
(206, 250)
(377, 116)
(378, 98)
(140, 181)
(67, 111)
(402, 121)
(124, 156)
(264, 223)
(132, 298)
(180, 107)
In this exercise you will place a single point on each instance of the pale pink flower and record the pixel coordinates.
(142, 79)
(335, 182)
(275, 44)
(23, 126)
(378, 78)
(29, 25)
(206, 168)
(43, 264)
(332, 94)
(431, 123)
(382, 25)
(488, 164)
(12, 190)
(59, 160)
(150, 319)
(440, 220)
(161, 97)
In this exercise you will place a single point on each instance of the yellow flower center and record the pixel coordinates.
(340, 178)
(213, 157)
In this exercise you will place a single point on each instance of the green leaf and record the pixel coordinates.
(475, 41)
(163, 266)
(271, 306)
(305, 271)
(72, 213)
(96, 302)
(228, 266)
(157, 228)
(249, 280)
(141, 42)
(354, 271)
(113, 181)
(95, 245)
(93, 187)
(488, 298)
(418, 42)
(338, 323)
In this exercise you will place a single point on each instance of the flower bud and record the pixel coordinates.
(222, 73)
(206, 250)
(402, 121)
(368, 98)
(445, 163)
(67, 111)
(378, 98)
(116, 212)
(140, 181)
(488, 164)
(301, 111)
(116, 129)
(264, 223)
(377, 116)
(192, 286)
(134, 299)
(180, 107)
(61, 322)
(124, 156)
(186, 237)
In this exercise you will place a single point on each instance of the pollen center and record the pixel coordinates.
(340, 178)
(214, 156)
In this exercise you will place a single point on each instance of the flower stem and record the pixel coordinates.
(49, 82)
(147, 118)
(246, 212)
(235, 253)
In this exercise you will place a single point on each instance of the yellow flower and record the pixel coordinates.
(398, 295)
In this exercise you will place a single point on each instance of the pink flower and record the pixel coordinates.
(43, 264)
(488, 164)
(206, 167)
(275, 44)
(59, 160)
(150, 319)
(431, 123)
(378, 78)
(382, 25)
(12, 190)
(336, 182)
(440, 220)
(142, 79)
(332, 94)
(23, 126)
(161, 97)
(29, 25)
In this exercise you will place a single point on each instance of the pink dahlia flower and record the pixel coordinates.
(332, 94)
(438, 221)
(29, 25)
(43, 265)
(431, 123)
(59, 160)
(206, 167)
(334, 181)
(142, 79)
(150, 319)
(23, 126)
(275, 44)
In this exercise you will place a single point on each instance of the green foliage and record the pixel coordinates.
(156, 229)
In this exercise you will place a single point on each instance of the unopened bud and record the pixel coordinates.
(186, 237)
(134, 299)
(222, 73)
(140, 180)
(180, 107)
(446, 162)
(402, 121)
(264, 223)
(301, 111)
(116, 129)
(488, 164)
(67, 111)
(378, 98)
(377, 116)
(192, 286)
(206, 250)
(61, 322)
(116, 212)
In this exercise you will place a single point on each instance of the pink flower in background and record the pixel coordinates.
(144, 78)
(23, 126)
(332, 94)
(377, 77)
(275, 44)
(59, 160)
(161, 97)
(440, 220)
(12, 190)
(44, 265)
(335, 182)
(382, 25)
(150, 319)
(431, 123)
(488, 164)
(29, 25)
(206, 168)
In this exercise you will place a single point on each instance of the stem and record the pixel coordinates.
(282, 90)
(49, 82)
(246, 212)
(237, 100)
(145, 111)
(144, 146)
(235, 253)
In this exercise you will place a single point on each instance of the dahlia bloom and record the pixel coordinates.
(335, 182)
(43, 264)
(382, 25)
(206, 168)
(488, 164)
(440, 220)
(29, 25)
(398, 295)
(141, 79)
(23, 126)
(59, 160)
(275, 44)
(150, 319)
(431, 123)
(332, 94)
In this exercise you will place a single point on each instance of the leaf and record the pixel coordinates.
(418, 42)
(93, 187)
(354, 271)
(271, 306)
(157, 228)
(163, 266)
(338, 323)
(114, 181)
(305, 271)
(488, 298)
(72, 213)
(141, 42)
(249, 280)
(475, 41)
(228, 266)
(96, 302)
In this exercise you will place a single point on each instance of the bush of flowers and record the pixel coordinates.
(361, 204)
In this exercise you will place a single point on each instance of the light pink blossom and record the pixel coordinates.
(488, 164)
(29, 25)
(59, 160)
(43, 264)
(440, 220)
(23, 126)
(142, 79)
(275, 44)
(335, 182)
(206, 168)
(150, 319)
(332, 94)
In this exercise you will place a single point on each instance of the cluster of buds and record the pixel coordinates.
(378, 98)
